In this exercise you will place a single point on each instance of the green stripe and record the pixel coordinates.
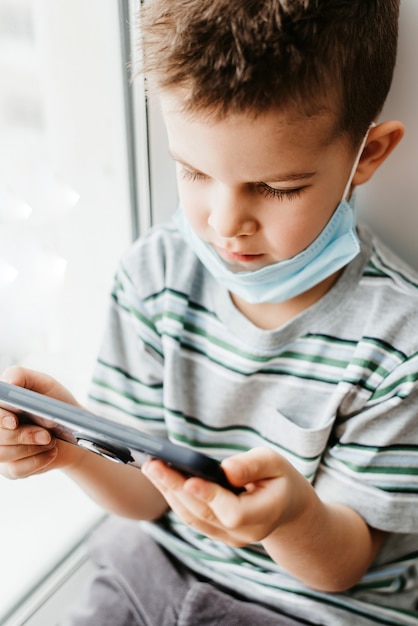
(125, 394)
(372, 270)
(193, 306)
(128, 376)
(332, 600)
(394, 272)
(229, 430)
(297, 356)
(373, 469)
(134, 311)
(377, 449)
(131, 413)
(409, 378)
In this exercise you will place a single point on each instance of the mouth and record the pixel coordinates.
(238, 257)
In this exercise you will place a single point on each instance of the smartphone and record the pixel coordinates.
(117, 442)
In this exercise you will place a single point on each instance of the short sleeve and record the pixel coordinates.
(127, 384)
(371, 463)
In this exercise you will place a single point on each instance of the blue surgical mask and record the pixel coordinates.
(332, 250)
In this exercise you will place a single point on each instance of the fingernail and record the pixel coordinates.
(5, 376)
(153, 472)
(42, 436)
(8, 422)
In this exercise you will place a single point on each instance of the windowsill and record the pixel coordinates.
(42, 519)
(53, 598)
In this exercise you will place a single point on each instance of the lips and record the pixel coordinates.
(238, 257)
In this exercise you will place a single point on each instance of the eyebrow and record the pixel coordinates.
(277, 178)
(282, 178)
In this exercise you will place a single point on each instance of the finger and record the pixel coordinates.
(245, 518)
(8, 420)
(30, 379)
(10, 454)
(25, 435)
(273, 480)
(35, 464)
(22, 442)
(198, 502)
(205, 506)
(260, 470)
(255, 465)
(201, 522)
(230, 510)
(166, 479)
(224, 516)
(172, 485)
(37, 381)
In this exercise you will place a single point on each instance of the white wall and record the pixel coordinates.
(389, 200)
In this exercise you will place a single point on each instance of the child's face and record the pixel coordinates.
(259, 190)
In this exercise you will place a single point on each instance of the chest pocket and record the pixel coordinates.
(302, 446)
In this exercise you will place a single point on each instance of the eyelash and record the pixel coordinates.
(263, 188)
(280, 194)
(191, 175)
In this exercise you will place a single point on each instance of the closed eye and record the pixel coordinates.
(263, 188)
(192, 175)
(280, 194)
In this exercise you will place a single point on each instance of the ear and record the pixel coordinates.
(382, 139)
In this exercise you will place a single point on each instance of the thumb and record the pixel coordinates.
(253, 466)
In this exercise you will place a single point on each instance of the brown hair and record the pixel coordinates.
(236, 56)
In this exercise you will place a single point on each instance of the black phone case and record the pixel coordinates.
(117, 442)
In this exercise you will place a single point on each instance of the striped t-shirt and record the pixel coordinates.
(335, 391)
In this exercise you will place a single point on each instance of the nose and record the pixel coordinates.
(231, 215)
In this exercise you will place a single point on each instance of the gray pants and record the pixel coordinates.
(139, 584)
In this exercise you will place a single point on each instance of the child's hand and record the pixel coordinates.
(27, 449)
(275, 494)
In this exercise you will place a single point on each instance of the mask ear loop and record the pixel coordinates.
(356, 162)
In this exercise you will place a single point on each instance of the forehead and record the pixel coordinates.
(249, 147)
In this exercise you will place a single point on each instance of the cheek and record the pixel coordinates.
(193, 205)
(292, 229)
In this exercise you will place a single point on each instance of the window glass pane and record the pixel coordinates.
(64, 222)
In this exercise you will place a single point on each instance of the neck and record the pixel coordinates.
(272, 315)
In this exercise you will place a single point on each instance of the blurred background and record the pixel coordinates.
(65, 218)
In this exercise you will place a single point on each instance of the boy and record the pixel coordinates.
(262, 328)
